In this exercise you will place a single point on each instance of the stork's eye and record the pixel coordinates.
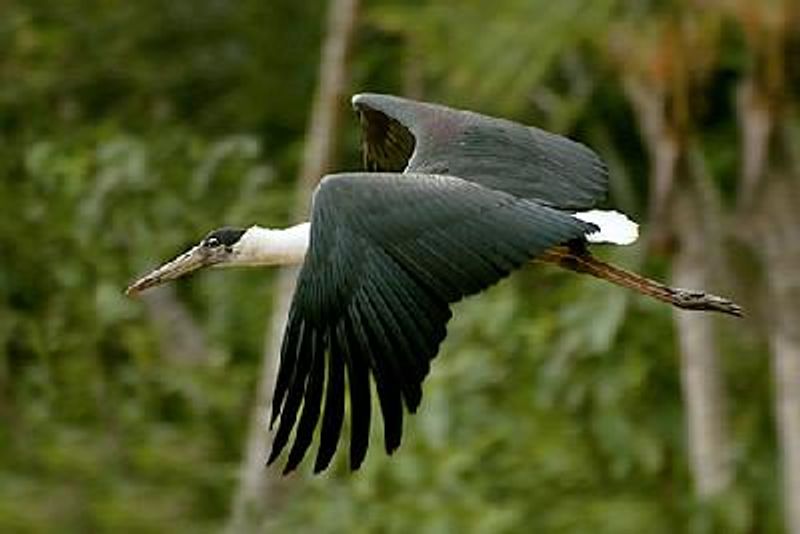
(212, 242)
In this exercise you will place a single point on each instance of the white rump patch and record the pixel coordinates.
(615, 227)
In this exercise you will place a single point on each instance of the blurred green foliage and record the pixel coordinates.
(129, 129)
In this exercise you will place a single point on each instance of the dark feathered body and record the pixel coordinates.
(477, 198)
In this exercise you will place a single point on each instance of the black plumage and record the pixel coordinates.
(388, 253)
(456, 202)
(226, 236)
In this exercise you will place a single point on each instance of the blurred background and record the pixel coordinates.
(557, 404)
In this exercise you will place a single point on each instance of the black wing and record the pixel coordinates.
(388, 253)
(404, 135)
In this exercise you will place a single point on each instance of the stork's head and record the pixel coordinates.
(217, 248)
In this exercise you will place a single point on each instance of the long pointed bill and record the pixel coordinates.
(189, 261)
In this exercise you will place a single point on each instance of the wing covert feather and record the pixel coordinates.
(399, 134)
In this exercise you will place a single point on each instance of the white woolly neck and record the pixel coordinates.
(266, 246)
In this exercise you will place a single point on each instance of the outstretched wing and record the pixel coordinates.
(388, 254)
(416, 137)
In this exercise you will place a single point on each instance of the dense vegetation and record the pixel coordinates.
(129, 129)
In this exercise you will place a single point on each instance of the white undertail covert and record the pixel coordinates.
(615, 227)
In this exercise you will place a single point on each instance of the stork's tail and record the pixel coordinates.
(687, 299)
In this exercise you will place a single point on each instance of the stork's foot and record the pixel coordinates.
(689, 299)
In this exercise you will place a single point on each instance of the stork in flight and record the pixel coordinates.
(452, 202)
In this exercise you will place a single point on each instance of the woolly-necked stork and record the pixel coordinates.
(453, 202)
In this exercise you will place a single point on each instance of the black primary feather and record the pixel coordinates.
(399, 134)
(388, 254)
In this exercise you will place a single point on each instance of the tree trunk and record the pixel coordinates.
(255, 492)
(755, 121)
(663, 150)
(701, 377)
(769, 200)
(703, 388)
(779, 232)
